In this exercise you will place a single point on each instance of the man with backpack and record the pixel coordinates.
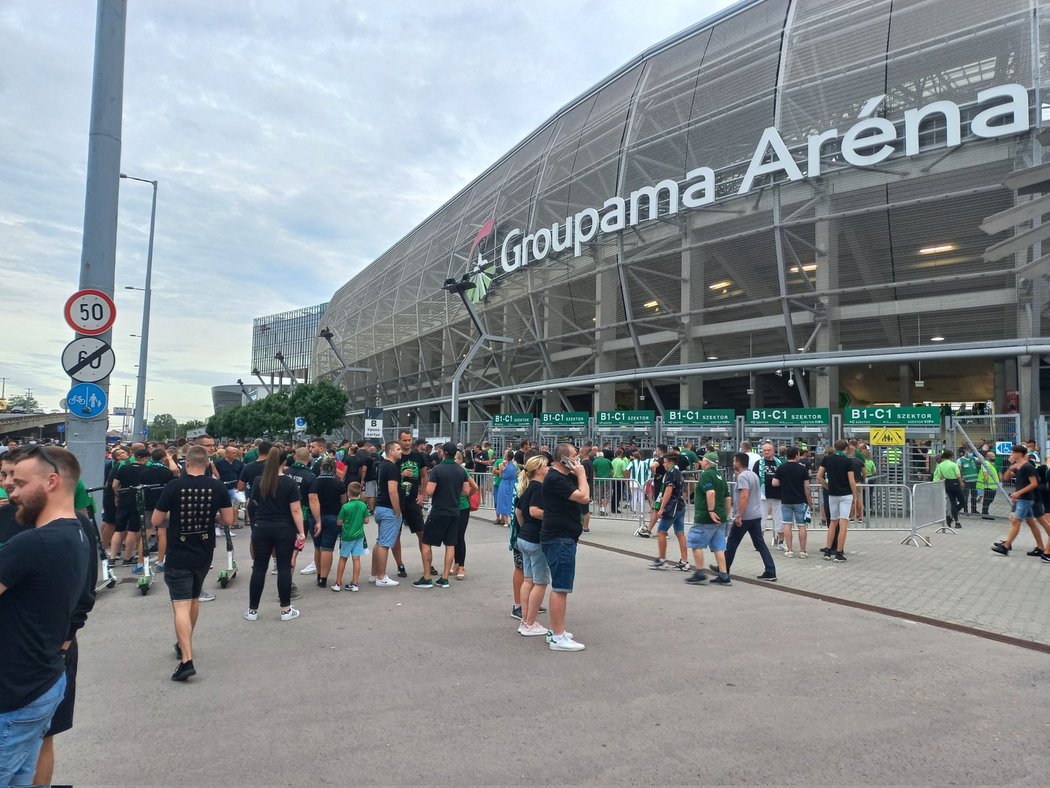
(672, 514)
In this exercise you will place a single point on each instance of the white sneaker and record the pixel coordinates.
(780, 546)
(565, 643)
(309, 569)
(251, 615)
(533, 631)
(788, 554)
(289, 614)
(385, 581)
(336, 587)
(803, 554)
(372, 579)
(274, 570)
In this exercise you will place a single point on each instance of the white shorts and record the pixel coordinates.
(370, 489)
(771, 506)
(839, 506)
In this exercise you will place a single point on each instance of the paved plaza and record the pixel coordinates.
(678, 684)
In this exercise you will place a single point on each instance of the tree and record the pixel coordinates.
(27, 401)
(322, 404)
(192, 424)
(164, 427)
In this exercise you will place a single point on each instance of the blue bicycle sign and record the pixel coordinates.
(86, 401)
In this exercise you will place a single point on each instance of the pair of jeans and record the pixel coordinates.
(956, 500)
(22, 732)
(753, 528)
(272, 538)
(987, 498)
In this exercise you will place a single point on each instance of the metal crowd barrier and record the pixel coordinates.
(928, 505)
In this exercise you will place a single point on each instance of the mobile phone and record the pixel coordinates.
(570, 462)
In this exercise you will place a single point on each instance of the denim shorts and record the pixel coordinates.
(678, 521)
(330, 531)
(1023, 509)
(389, 526)
(22, 733)
(703, 536)
(561, 559)
(794, 512)
(351, 547)
(534, 562)
(185, 585)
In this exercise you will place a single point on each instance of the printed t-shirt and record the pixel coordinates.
(191, 503)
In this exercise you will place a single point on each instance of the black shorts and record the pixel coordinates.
(62, 720)
(1038, 508)
(330, 532)
(441, 529)
(109, 513)
(128, 520)
(412, 516)
(184, 585)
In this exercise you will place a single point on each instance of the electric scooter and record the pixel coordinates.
(107, 578)
(145, 582)
(230, 572)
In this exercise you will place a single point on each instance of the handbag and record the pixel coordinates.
(474, 499)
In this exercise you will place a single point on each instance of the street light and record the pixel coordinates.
(140, 388)
(461, 288)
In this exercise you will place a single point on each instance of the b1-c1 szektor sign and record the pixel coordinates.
(625, 418)
(1001, 111)
(893, 415)
(699, 418)
(790, 417)
(523, 420)
(575, 418)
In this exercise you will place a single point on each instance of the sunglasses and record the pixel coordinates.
(33, 451)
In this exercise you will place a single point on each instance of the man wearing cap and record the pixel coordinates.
(710, 511)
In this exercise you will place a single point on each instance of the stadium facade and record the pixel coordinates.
(780, 206)
(290, 334)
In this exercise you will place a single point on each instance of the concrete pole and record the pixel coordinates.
(138, 429)
(87, 439)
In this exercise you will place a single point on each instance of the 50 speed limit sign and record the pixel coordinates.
(90, 312)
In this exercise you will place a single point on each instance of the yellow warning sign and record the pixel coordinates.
(887, 436)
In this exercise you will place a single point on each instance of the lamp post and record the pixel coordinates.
(140, 387)
(461, 287)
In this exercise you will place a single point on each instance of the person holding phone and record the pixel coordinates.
(279, 530)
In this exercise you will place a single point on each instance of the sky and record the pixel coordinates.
(293, 143)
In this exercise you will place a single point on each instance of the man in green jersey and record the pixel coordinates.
(710, 512)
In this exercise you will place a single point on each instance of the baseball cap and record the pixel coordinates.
(450, 449)
(711, 456)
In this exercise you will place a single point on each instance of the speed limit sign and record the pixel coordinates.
(88, 359)
(90, 312)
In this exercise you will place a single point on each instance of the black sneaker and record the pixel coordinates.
(721, 580)
(515, 612)
(698, 578)
(987, 517)
(434, 572)
(184, 671)
(1034, 552)
(401, 571)
(770, 576)
(827, 553)
(1004, 544)
(322, 582)
(1000, 548)
(424, 582)
(840, 558)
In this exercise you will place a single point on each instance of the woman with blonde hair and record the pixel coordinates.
(529, 514)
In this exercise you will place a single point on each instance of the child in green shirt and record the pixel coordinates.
(352, 543)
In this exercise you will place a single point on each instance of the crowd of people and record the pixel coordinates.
(190, 493)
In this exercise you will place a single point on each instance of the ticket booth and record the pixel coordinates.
(508, 430)
(700, 427)
(901, 439)
(569, 427)
(810, 428)
(626, 426)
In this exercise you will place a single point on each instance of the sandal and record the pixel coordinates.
(461, 574)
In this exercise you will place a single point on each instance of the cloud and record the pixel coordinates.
(293, 144)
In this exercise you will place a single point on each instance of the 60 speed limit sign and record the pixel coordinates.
(88, 360)
(90, 312)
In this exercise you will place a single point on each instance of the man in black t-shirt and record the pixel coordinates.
(565, 489)
(128, 525)
(414, 466)
(792, 479)
(836, 471)
(446, 482)
(370, 461)
(186, 512)
(1026, 483)
(387, 513)
(43, 577)
(230, 467)
(299, 471)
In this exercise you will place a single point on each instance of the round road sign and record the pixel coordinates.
(88, 359)
(90, 312)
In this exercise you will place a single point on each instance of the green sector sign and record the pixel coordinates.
(773, 417)
(892, 415)
(575, 418)
(512, 420)
(625, 418)
(701, 418)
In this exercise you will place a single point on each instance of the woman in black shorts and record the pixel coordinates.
(327, 496)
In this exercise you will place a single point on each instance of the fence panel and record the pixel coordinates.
(928, 507)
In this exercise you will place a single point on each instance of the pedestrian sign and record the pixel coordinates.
(299, 425)
(887, 436)
(86, 401)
